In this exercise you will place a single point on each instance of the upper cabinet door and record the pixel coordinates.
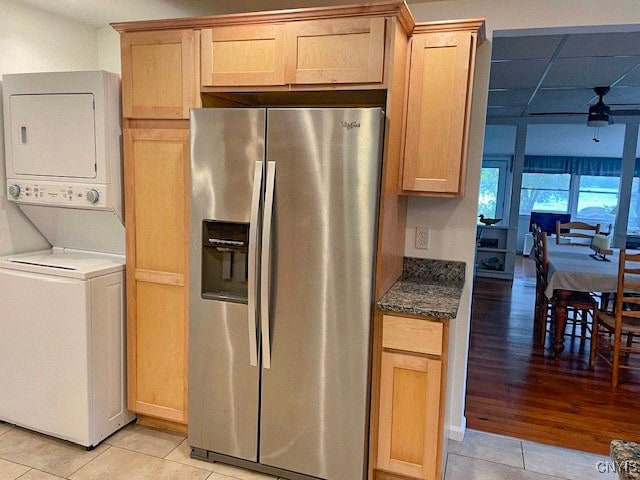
(160, 71)
(438, 112)
(243, 55)
(341, 50)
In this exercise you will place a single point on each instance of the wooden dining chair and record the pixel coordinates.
(564, 230)
(581, 306)
(610, 328)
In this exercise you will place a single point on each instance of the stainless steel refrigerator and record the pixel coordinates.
(283, 236)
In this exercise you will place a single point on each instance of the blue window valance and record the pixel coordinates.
(596, 166)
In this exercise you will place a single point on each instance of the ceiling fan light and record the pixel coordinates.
(598, 119)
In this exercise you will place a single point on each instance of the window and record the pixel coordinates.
(487, 201)
(493, 186)
(545, 192)
(598, 200)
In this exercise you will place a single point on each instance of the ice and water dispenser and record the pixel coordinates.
(224, 261)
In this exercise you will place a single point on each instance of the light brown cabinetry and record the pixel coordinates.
(442, 60)
(160, 73)
(411, 392)
(307, 52)
(345, 50)
(243, 55)
(157, 217)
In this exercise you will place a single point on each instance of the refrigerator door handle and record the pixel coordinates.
(252, 287)
(265, 278)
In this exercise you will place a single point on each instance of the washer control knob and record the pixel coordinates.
(92, 196)
(14, 190)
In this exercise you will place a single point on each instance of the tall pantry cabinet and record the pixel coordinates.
(160, 83)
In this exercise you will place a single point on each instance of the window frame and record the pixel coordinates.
(504, 165)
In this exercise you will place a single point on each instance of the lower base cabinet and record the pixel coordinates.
(411, 398)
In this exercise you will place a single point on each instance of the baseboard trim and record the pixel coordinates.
(457, 432)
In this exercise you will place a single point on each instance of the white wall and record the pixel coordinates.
(34, 41)
(453, 222)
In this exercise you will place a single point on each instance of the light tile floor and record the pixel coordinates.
(483, 456)
(140, 453)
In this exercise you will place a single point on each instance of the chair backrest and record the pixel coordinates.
(628, 296)
(564, 230)
(541, 256)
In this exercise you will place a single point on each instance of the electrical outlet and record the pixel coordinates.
(422, 238)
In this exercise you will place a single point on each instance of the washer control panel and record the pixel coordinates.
(58, 194)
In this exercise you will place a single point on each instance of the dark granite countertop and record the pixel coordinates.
(429, 288)
(626, 456)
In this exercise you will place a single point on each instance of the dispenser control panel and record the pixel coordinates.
(75, 195)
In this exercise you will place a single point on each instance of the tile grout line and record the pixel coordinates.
(524, 462)
(147, 454)
(505, 465)
(174, 449)
(446, 464)
(18, 478)
(77, 469)
(158, 458)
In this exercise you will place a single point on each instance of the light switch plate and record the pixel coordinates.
(422, 238)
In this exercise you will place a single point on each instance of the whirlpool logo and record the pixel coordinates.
(349, 125)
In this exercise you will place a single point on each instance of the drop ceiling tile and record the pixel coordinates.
(587, 71)
(625, 95)
(504, 111)
(512, 48)
(510, 98)
(575, 97)
(601, 44)
(632, 80)
(516, 73)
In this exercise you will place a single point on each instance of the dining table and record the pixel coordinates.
(572, 268)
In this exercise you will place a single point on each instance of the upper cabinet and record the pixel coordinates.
(160, 73)
(243, 55)
(442, 60)
(304, 52)
(346, 50)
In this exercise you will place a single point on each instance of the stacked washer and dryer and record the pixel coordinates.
(62, 327)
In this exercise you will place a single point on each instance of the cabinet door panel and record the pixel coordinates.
(335, 51)
(159, 73)
(409, 415)
(160, 384)
(243, 55)
(437, 112)
(158, 168)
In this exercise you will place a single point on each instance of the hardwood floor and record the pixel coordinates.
(516, 388)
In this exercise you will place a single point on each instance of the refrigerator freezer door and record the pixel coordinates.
(223, 385)
(314, 409)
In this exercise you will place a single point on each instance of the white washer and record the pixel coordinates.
(63, 338)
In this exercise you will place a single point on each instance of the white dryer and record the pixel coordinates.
(62, 335)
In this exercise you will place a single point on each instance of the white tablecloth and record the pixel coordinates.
(571, 268)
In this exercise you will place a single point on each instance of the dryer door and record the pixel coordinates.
(53, 135)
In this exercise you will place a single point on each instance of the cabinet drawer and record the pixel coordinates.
(412, 335)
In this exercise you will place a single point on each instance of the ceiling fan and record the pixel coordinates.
(599, 115)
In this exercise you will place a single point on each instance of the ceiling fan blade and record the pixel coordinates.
(559, 113)
(623, 104)
(624, 112)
